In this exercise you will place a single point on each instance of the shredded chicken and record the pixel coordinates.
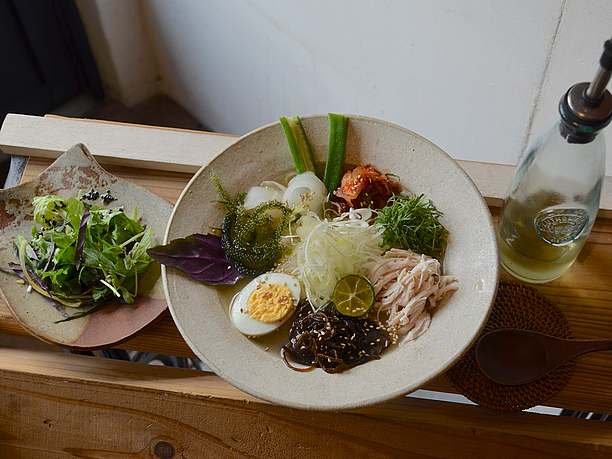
(407, 287)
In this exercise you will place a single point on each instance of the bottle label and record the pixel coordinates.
(560, 226)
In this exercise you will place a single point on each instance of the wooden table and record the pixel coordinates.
(55, 404)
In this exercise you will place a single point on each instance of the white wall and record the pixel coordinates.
(583, 28)
(469, 75)
(120, 42)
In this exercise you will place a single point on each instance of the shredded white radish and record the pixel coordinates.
(331, 249)
(407, 287)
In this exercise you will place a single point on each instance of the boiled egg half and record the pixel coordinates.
(265, 303)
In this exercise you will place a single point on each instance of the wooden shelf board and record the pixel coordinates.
(59, 404)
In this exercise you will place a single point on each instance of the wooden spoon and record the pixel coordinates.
(513, 357)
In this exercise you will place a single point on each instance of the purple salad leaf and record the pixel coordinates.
(200, 256)
(78, 254)
(16, 268)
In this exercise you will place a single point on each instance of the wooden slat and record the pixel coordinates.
(183, 150)
(60, 405)
(113, 143)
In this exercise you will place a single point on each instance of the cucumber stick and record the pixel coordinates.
(298, 143)
(336, 147)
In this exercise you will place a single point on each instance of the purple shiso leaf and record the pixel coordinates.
(78, 254)
(200, 256)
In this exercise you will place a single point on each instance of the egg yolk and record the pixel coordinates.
(270, 302)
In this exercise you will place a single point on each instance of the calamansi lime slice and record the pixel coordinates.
(353, 295)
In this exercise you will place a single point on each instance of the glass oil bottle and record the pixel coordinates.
(554, 196)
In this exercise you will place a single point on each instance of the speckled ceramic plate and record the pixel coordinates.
(77, 171)
(255, 366)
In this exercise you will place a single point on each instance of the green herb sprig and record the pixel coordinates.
(300, 149)
(413, 222)
(336, 150)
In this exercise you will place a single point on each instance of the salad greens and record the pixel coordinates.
(81, 255)
(413, 222)
(336, 146)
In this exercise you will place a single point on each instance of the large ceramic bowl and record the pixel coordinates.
(201, 312)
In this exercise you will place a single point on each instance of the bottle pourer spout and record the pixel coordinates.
(586, 108)
(596, 88)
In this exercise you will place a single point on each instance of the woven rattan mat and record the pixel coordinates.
(522, 307)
